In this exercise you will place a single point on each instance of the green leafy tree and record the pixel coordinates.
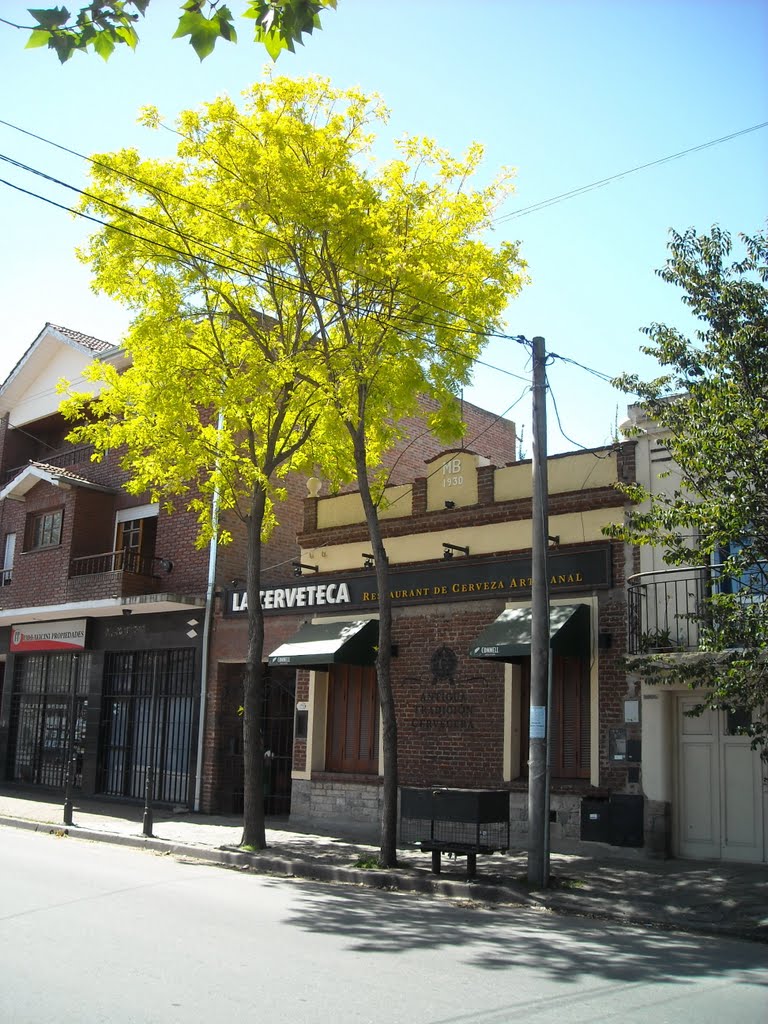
(277, 271)
(104, 24)
(712, 402)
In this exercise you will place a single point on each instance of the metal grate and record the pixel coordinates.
(459, 836)
(42, 720)
(147, 719)
(458, 820)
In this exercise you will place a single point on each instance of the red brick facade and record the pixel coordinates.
(452, 727)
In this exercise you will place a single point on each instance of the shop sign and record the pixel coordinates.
(66, 635)
(454, 580)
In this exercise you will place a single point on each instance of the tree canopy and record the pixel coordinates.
(104, 24)
(292, 300)
(712, 402)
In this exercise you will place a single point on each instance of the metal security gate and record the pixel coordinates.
(278, 709)
(47, 689)
(279, 705)
(147, 719)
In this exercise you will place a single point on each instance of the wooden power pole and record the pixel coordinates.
(538, 777)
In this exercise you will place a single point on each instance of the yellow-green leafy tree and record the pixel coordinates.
(283, 279)
(403, 298)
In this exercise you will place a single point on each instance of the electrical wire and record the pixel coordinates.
(576, 444)
(158, 190)
(607, 378)
(602, 182)
(289, 282)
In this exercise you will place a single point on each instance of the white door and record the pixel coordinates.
(720, 801)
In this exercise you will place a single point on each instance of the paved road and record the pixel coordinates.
(94, 933)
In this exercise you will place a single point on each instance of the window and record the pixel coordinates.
(10, 549)
(751, 585)
(569, 717)
(45, 529)
(353, 720)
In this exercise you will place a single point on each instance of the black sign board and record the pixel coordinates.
(581, 570)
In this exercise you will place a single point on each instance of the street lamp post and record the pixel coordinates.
(71, 755)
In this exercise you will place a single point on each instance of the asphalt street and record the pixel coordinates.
(97, 933)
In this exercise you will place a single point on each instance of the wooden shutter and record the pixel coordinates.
(569, 718)
(353, 720)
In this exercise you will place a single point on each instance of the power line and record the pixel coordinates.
(576, 444)
(600, 183)
(520, 339)
(289, 281)
(573, 362)
(154, 190)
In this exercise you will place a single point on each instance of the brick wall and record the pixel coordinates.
(450, 724)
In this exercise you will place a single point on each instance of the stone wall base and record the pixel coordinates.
(333, 802)
(330, 803)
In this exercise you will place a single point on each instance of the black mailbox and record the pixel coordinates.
(595, 820)
(617, 821)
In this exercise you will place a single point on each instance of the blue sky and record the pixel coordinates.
(567, 91)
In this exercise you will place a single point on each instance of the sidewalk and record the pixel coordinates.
(717, 898)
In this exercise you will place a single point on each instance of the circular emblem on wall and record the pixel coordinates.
(443, 663)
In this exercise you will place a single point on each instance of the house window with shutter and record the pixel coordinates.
(569, 717)
(352, 732)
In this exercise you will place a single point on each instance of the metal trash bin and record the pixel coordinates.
(459, 821)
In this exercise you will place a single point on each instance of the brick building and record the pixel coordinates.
(458, 543)
(222, 762)
(111, 642)
(101, 606)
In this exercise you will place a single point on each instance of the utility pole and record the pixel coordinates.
(538, 785)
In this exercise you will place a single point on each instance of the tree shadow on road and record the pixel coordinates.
(565, 948)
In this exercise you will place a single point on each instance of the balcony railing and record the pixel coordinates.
(665, 608)
(119, 561)
(68, 457)
(668, 607)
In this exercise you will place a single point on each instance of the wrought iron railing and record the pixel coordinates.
(119, 561)
(68, 457)
(665, 608)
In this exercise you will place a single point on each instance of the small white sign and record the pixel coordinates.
(538, 727)
(632, 710)
(302, 705)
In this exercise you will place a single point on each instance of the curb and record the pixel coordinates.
(286, 866)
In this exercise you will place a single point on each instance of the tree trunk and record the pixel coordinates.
(254, 832)
(388, 851)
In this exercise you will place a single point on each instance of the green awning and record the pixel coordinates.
(348, 642)
(509, 636)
